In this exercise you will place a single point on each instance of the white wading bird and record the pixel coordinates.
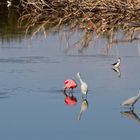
(131, 101)
(84, 86)
(117, 64)
(9, 3)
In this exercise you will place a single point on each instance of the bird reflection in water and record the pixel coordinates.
(70, 99)
(84, 107)
(131, 115)
(117, 70)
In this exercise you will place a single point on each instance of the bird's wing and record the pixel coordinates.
(129, 101)
(115, 63)
(84, 87)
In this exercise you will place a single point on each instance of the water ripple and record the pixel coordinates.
(28, 59)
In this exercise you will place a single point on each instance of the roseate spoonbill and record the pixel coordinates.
(69, 85)
(117, 64)
(84, 86)
(131, 101)
(84, 106)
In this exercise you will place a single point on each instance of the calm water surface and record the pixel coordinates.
(32, 104)
(32, 75)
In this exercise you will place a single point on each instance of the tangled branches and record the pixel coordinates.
(101, 17)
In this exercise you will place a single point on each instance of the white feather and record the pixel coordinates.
(84, 86)
(131, 101)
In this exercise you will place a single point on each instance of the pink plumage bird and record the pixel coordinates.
(69, 85)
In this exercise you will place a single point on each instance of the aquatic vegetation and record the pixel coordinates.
(95, 18)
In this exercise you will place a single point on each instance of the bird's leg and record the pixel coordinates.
(86, 96)
(82, 96)
(132, 107)
(71, 90)
(64, 90)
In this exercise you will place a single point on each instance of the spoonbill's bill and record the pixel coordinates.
(131, 101)
(117, 64)
(84, 86)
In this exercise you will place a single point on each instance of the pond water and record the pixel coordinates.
(32, 102)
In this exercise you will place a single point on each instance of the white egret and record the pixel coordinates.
(9, 3)
(131, 101)
(84, 86)
(117, 64)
